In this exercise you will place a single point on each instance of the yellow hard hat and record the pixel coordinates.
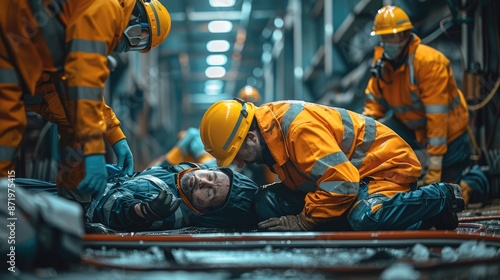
(249, 94)
(389, 20)
(159, 22)
(224, 127)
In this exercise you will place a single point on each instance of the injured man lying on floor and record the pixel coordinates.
(190, 195)
(187, 195)
(177, 196)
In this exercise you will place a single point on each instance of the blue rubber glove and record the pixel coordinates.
(112, 171)
(196, 147)
(184, 142)
(125, 159)
(96, 175)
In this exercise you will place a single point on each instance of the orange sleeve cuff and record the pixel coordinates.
(114, 135)
(94, 146)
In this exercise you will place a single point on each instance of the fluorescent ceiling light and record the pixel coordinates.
(220, 26)
(209, 91)
(216, 59)
(218, 46)
(278, 22)
(214, 85)
(277, 35)
(221, 3)
(215, 72)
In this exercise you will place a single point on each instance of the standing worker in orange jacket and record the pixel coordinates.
(416, 82)
(349, 165)
(55, 53)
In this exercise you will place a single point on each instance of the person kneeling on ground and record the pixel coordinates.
(348, 166)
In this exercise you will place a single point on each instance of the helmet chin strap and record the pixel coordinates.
(137, 14)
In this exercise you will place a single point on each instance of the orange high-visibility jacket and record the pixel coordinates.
(91, 29)
(327, 152)
(422, 94)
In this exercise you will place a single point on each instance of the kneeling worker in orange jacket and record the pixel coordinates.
(55, 53)
(350, 165)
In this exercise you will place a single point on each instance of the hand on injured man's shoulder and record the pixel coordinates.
(157, 209)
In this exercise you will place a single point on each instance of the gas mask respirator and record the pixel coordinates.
(392, 50)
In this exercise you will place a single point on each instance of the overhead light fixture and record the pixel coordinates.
(216, 59)
(214, 85)
(218, 46)
(257, 72)
(220, 26)
(267, 57)
(215, 72)
(212, 92)
(277, 35)
(278, 22)
(221, 3)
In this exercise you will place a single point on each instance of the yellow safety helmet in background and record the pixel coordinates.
(389, 20)
(249, 94)
(159, 22)
(224, 127)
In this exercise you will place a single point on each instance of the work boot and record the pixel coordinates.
(447, 219)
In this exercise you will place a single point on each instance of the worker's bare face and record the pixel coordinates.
(206, 189)
(250, 152)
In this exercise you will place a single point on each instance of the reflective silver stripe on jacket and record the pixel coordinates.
(348, 137)
(324, 163)
(85, 93)
(380, 101)
(295, 108)
(340, 187)
(437, 141)
(360, 151)
(88, 46)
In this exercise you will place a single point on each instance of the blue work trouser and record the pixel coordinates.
(456, 159)
(404, 211)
